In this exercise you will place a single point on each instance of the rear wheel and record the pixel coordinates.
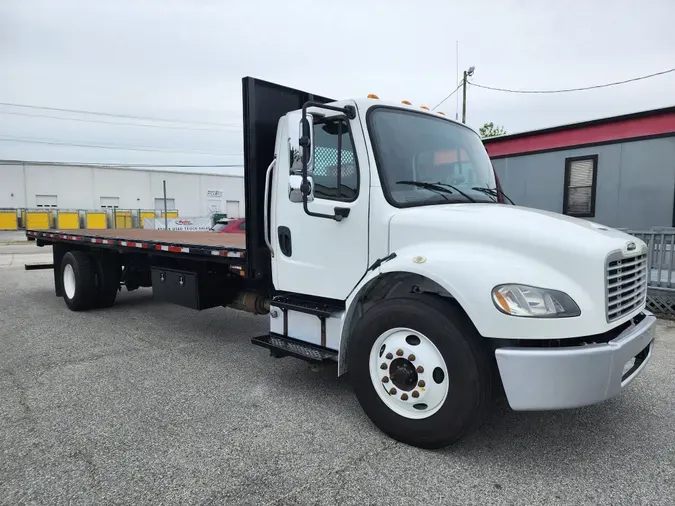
(108, 275)
(419, 370)
(77, 278)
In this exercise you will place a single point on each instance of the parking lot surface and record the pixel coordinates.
(148, 403)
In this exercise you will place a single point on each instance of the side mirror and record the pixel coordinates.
(295, 188)
(300, 141)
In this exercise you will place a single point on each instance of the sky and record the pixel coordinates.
(183, 61)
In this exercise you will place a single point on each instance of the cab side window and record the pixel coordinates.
(336, 175)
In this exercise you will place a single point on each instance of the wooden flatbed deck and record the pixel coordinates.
(197, 238)
(231, 246)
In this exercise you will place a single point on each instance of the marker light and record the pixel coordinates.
(372, 95)
(424, 107)
(406, 102)
(441, 113)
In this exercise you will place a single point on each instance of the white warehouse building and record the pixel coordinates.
(81, 186)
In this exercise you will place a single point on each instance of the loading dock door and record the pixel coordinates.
(232, 208)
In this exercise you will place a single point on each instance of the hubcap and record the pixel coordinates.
(409, 373)
(402, 374)
(69, 281)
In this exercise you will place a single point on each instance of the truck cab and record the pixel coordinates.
(436, 293)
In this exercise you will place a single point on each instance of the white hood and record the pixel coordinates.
(470, 248)
(515, 228)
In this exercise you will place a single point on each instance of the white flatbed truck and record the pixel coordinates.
(378, 238)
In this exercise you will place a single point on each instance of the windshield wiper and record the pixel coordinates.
(493, 192)
(441, 190)
(470, 199)
(439, 187)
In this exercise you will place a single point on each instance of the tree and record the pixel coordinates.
(490, 130)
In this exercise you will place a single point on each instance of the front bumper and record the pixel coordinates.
(574, 376)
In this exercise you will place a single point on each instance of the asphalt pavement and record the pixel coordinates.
(13, 236)
(18, 255)
(148, 403)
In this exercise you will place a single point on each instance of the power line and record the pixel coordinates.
(574, 89)
(119, 122)
(111, 146)
(451, 94)
(128, 116)
(159, 165)
(129, 165)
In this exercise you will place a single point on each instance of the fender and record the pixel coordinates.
(467, 272)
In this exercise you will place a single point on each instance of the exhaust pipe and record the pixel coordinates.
(250, 302)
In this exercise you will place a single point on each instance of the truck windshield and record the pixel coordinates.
(425, 160)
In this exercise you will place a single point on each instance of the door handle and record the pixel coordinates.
(285, 244)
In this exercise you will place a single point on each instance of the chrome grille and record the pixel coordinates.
(626, 283)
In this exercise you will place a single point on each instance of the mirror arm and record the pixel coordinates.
(350, 112)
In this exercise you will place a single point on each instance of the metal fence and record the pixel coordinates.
(53, 218)
(660, 268)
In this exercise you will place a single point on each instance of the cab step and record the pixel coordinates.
(320, 309)
(281, 346)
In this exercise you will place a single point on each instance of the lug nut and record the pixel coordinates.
(383, 366)
(389, 356)
(421, 384)
(420, 369)
(404, 397)
(385, 380)
(411, 357)
(399, 353)
(392, 391)
(415, 394)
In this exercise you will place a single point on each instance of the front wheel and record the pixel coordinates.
(419, 370)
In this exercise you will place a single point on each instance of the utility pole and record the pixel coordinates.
(464, 98)
(166, 211)
(467, 73)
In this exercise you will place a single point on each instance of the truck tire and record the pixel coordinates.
(77, 279)
(420, 370)
(108, 274)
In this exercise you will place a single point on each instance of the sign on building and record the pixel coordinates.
(199, 223)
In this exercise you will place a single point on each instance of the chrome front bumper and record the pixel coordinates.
(574, 376)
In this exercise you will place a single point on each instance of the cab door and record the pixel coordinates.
(319, 256)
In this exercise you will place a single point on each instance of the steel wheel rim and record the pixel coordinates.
(69, 281)
(393, 373)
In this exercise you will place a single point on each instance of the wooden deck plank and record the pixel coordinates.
(197, 238)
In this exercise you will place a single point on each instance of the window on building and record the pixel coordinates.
(335, 177)
(170, 204)
(45, 200)
(580, 181)
(110, 202)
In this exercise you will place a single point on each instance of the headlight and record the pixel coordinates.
(523, 300)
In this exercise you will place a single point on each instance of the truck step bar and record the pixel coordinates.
(35, 267)
(303, 306)
(281, 346)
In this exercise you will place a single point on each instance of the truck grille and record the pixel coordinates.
(626, 285)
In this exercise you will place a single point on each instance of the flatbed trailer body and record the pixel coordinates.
(227, 270)
(175, 241)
